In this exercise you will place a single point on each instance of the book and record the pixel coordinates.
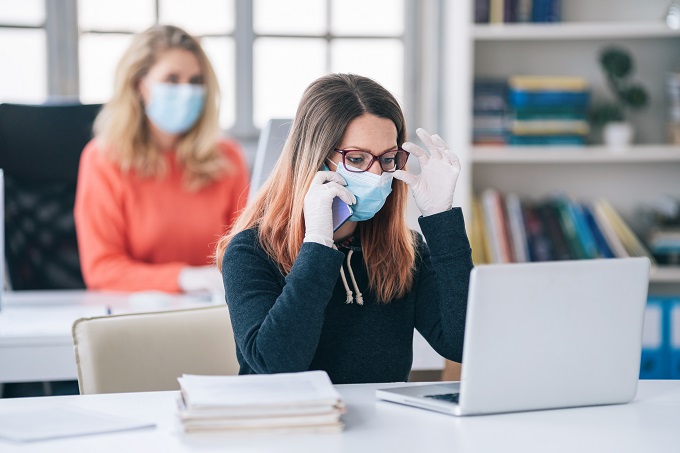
(568, 225)
(496, 11)
(558, 242)
(608, 231)
(552, 113)
(304, 401)
(547, 140)
(481, 11)
(478, 238)
(518, 236)
(493, 221)
(603, 248)
(537, 240)
(630, 241)
(583, 230)
(542, 83)
(548, 127)
(527, 98)
(524, 10)
(546, 11)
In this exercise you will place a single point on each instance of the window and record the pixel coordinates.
(23, 51)
(317, 37)
(270, 49)
(107, 26)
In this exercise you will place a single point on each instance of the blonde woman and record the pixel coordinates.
(304, 297)
(157, 187)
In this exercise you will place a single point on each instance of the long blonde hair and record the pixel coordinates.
(326, 108)
(122, 128)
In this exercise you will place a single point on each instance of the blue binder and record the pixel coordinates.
(653, 363)
(673, 311)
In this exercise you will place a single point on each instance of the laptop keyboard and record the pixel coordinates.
(450, 397)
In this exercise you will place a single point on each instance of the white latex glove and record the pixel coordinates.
(203, 278)
(433, 188)
(318, 207)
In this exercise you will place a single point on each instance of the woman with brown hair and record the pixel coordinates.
(305, 297)
(157, 186)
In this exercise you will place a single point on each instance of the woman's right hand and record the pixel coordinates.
(318, 207)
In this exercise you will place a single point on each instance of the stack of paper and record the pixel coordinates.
(276, 402)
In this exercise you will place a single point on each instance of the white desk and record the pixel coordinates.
(35, 327)
(650, 423)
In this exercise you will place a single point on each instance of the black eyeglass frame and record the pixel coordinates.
(373, 159)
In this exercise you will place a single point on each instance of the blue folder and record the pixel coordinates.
(653, 363)
(673, 311)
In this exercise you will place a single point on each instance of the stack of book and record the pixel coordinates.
(508, 11)
(507, 229)
(296, 402)
(489, 110)
(547, 110)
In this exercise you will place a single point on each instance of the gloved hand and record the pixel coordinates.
(203, 278)
(317, 209)
(433, 188)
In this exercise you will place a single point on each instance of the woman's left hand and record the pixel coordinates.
(433, 188)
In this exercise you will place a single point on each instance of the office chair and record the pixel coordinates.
(40, 148)
(144, 352)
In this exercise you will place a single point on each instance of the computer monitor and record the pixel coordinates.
(272, 138)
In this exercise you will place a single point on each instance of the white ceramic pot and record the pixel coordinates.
(618, 135)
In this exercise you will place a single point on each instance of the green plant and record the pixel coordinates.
(617, 65)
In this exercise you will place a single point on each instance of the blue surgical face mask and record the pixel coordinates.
(371, 191)
(175, 108)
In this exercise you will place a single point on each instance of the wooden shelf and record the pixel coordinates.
(578, 155)
(572, 31)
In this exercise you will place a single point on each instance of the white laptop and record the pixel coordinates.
(544, 336)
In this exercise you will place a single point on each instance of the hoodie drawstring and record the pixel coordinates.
(350, 299)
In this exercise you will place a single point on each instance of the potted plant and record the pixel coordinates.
(610, 116)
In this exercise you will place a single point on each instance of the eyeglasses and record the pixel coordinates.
(358, 161)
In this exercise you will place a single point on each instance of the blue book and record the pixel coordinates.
(583, 231)
(482, 11)
(541, 140)
(546, 11)
(526, 99)
(602, 245)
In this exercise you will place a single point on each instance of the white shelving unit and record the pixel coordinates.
(630, 178)
(572, 31)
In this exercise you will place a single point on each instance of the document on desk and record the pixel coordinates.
(57, 422)
(285, 402)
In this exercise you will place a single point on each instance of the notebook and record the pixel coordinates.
(543, 336)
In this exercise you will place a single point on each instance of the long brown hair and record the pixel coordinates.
(122, 127)
(326, 108)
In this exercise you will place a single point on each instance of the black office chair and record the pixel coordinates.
(40, 148)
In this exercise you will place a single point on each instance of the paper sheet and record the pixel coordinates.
(57, 422)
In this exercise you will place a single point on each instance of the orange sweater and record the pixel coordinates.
(136, 234)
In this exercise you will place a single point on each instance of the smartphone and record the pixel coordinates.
(341, 213)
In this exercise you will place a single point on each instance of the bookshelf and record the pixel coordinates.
(572, 31)
(630, 178)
